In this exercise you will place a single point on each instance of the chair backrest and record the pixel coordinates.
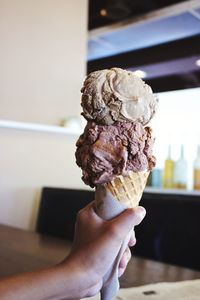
(170, 231)
(58, 209)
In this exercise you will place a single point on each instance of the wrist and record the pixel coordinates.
(81, 277)
(75, 278)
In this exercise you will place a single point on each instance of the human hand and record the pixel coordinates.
(96, 245)
(126, 255)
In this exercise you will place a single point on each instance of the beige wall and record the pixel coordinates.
(43, 49)
(42, 58)
(29, 161)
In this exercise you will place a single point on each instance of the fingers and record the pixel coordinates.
(88, 212)
(132, 240)
(140, 213)
(127, 255)
(124, 261)
(117, 227)
(128, 219)
(134, 215)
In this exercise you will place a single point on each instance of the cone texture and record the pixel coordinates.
(128, 189)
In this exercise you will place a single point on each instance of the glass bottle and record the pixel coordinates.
(168, 174)
(180, 171)
(157, 178)
(196, 172)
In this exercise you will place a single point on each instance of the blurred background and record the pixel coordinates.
(47, 49)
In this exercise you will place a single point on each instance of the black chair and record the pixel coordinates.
(170, 231)
(58, 209)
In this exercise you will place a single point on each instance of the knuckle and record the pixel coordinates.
(81, 216)
(134, 241)
(114, 231)
(78, 216)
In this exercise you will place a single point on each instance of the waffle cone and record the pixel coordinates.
(128, 189)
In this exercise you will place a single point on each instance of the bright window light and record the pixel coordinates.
(140, 73)
(198, 62)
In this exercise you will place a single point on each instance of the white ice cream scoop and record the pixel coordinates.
(115, 94)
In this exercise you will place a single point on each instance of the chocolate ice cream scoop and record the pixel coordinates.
(115, 94)
(115, 150)
(104, 152)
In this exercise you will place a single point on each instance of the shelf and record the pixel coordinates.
(171, 191)
(39, 127)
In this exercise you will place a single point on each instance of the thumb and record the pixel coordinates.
(128, 219)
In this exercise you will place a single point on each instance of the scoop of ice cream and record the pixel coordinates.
(115, 94)
(104, 152)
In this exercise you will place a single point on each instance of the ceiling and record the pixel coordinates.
(161, 38)
(105, 12)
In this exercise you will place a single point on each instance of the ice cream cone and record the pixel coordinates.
(128, 189)
(113, 142)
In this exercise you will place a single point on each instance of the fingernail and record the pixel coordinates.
(141, 210)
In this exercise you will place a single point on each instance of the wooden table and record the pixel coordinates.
(22, 251)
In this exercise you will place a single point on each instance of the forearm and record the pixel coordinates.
(58, 282)
(96, 244)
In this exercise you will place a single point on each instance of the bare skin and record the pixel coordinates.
(80, 274)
